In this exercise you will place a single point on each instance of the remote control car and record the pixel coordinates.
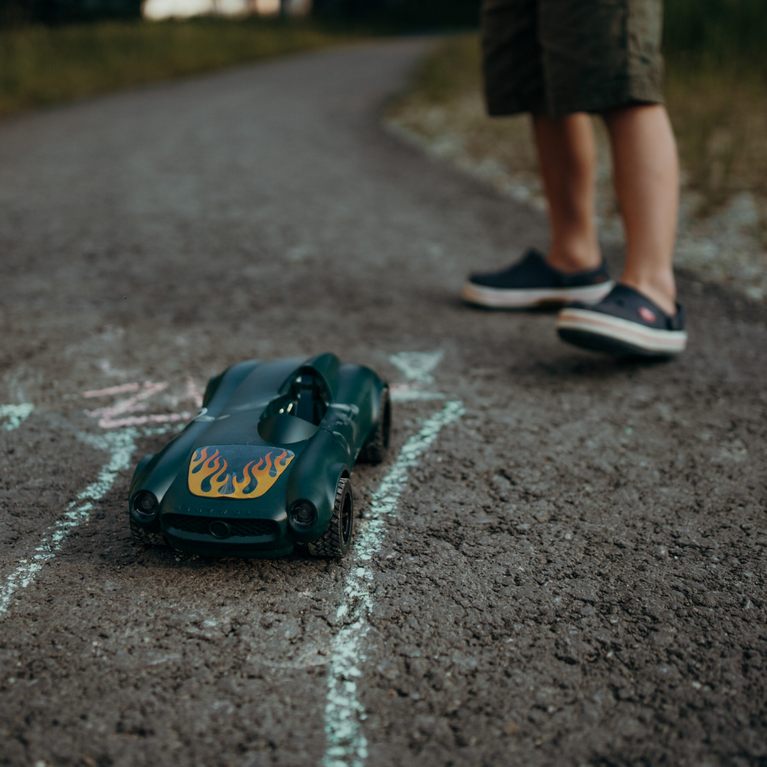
(266, 464)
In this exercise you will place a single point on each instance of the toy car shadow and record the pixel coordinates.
(266, 464)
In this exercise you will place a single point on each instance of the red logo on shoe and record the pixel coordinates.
(646, 314)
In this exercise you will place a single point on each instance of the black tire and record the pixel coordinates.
(376, 448)
(337, 539)
(145, 538)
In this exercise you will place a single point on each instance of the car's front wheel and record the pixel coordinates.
(337, 539)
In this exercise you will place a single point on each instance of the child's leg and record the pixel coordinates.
(567, 158)
(646, 175)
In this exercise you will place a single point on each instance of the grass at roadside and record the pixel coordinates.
(719, 115)
(720, 119)
(44, 65)
(444, 96)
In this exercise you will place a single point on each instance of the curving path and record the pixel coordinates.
(563, 562)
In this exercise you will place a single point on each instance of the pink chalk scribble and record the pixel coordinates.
(193, 392)
(120, 415)
(121, 389)
(137, 420)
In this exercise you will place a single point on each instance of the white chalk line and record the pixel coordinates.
(121, 445)
(343, 711)
(405, 393)
(347, 745)
(417, 366)
(16, 414)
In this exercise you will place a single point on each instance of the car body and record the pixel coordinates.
(266, 462)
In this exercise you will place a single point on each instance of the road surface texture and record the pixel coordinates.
(561, 563)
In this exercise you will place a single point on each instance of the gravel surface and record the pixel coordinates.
(564, 557)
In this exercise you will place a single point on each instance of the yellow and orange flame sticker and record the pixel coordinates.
(221, 472)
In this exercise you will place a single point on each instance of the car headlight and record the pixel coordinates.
(145, 506)
(303, 514)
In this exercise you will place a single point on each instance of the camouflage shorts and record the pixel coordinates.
(561, 56)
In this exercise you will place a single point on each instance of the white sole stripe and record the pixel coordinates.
(651, 339)
(518, 299)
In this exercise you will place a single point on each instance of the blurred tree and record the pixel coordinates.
(409, 12)
(723, 32)
(15, 12)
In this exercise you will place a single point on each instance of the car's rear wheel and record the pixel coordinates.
(337, 539)
(376, 448)
(143, 537)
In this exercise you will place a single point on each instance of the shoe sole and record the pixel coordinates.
(613, 335)
(525, 298)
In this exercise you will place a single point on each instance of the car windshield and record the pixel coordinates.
(306, 398)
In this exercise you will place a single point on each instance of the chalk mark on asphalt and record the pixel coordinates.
(347, 745)
(121, 445)
(417, 366)
(405, 393)
(108, 416)
(16, 414)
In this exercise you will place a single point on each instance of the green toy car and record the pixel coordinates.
(266, 464)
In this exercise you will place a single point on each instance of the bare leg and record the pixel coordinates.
(567, 158)
(646, 176)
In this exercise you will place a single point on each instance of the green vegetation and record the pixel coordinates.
(716, 76)
(717, 34)
(452, 69)
(716, 91)
(43, 65)
(716, 73)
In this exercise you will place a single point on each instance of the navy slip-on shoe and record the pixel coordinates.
(624, 323)
(532, 282)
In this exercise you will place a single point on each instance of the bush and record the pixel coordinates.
(17, 12)
(44, 65)
(726, 34)
(408, 13)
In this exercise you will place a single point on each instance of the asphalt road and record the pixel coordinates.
(569, 570)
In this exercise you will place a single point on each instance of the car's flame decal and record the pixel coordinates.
(210, 475)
